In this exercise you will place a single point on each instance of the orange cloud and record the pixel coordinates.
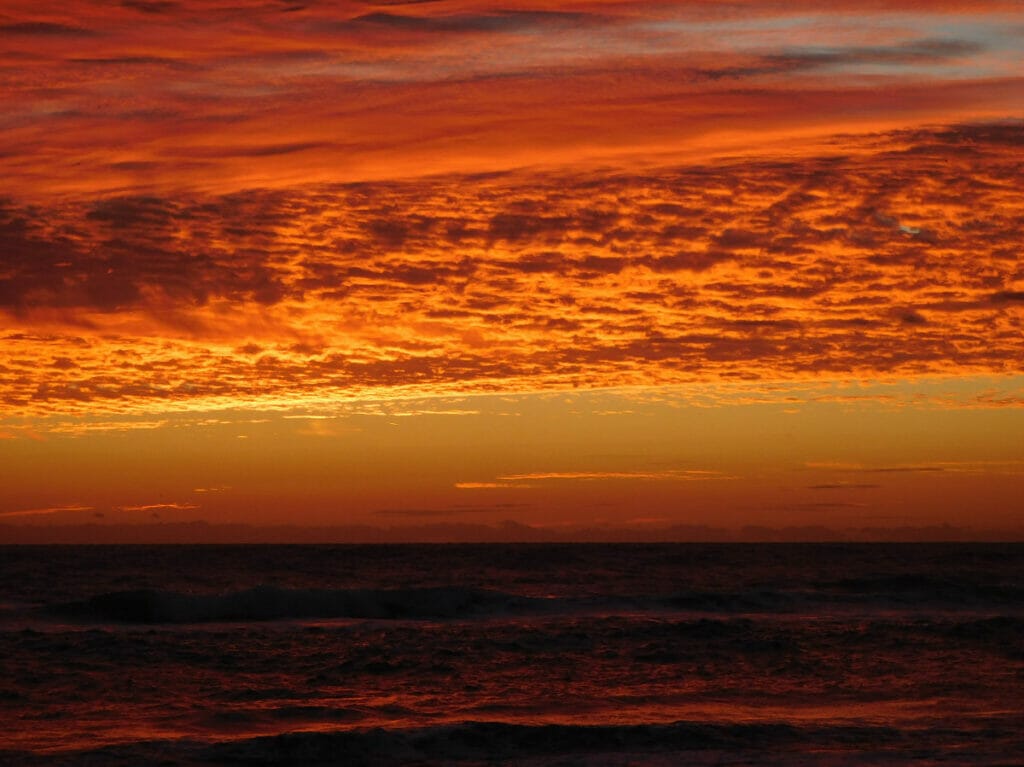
(159, 507)
(309, 205)
(488, 485)
(75, 507)
(255, 95)
(895, 257)
(674, 474)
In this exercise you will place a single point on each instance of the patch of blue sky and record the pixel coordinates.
(763, 34)
(991, 47)
(907, 70)
(760, 35)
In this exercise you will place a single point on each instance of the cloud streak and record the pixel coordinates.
(47, 511)
(230, 97)
(588, 476)
(159, 507)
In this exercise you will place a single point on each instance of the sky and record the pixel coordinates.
(586, 265)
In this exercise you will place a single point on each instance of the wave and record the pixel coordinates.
(477, 742)
(914, 587)
(266, 603)
(490, 741)
(753, 601)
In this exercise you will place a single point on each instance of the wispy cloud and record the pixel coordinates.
(859, 468)
(530, 479)
(258, 94)
(489, 485)
(159, 507)
(673, 474)
(450, 511)
(1008, 467)
(75, 507)
(86, 427)
(901, 469)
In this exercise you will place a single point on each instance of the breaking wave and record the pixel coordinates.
(476, 742)
(268, 603)
(490, 741)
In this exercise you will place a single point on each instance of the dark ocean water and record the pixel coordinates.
(513, 654)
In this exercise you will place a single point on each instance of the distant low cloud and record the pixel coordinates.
(46, 511)
(496, 22)
(43, 29)
(901, 469)
(672, 474)
(152, 6)
(450, 511)
(160, 507)
(488, 485)
(844, 486)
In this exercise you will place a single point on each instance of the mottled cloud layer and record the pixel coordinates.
(281, 205)
(889, 254)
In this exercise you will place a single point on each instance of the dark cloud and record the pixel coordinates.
(268, 150)
(538, 263)
(741, 239)
(602, 264)
(1008, 296)
(966, 137)
(151, 6)
(43, 29)
(528, 227)
(686, 261)
(390, 232)
(125, 259)
(397, 2)
(912, 318)
(137, 61)
(505, 21)
(841, 486)
(132, 212)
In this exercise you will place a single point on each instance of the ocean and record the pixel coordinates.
(603, 654)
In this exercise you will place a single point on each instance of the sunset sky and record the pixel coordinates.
(586, 264)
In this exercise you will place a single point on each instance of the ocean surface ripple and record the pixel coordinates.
(513, 654)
